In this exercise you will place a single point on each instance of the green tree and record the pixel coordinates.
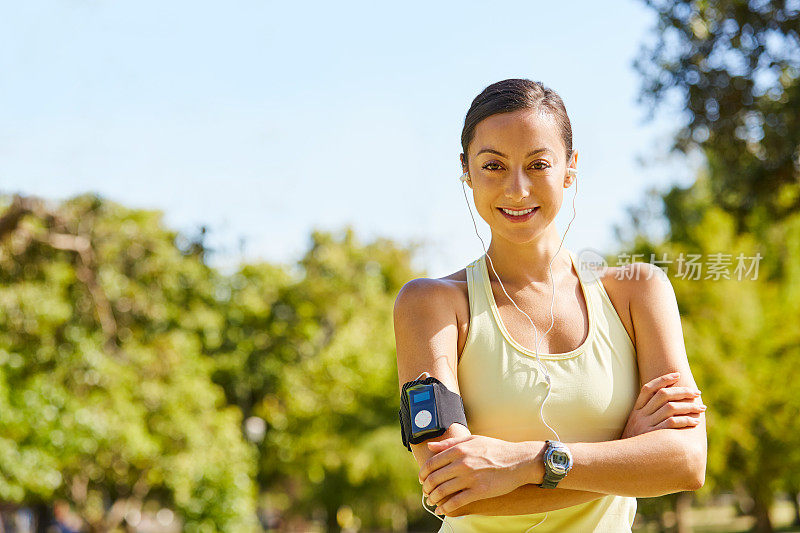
(105, 394)
(734, 68)
(309, 350)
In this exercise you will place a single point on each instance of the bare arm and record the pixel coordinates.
(527, 499)
(426, 334)
(648, 465)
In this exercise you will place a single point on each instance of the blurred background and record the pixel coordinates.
(207, 210)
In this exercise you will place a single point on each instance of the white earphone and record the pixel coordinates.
(573, 173)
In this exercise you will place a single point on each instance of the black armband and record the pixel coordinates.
(427, 408)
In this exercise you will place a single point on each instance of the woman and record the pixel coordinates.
(538, 353)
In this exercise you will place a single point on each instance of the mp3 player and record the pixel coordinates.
(422, 407)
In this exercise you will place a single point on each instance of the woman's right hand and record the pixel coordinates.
(660, 406)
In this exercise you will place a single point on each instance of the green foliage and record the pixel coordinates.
(733, 66)
(126, 412)
(128, 367)
(313, 356)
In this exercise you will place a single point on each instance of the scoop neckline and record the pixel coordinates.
(565, 355)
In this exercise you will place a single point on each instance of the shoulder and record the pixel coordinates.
(648, 287)
(448, 292)
(638, 292)
(427, 294)
(633, 284)
(430, 316)
(447, 295)
(652, 300)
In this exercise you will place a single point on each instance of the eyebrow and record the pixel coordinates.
(501, 154)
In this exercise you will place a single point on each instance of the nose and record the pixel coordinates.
(518, 186)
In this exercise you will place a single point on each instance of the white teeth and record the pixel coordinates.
(517, 213)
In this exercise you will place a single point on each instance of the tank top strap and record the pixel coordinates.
(474, 286)
(592, 286)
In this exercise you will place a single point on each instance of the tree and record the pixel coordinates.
(105, 394)
(733, 66)
(311, 353)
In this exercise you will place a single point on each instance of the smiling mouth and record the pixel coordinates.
(518, 212)
(521, 216)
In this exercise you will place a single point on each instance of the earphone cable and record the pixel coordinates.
(536, 331)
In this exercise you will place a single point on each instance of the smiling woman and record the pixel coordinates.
(564, 433)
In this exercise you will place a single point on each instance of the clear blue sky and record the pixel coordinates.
(266, 119)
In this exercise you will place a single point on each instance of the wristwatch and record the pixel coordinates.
(557, 462)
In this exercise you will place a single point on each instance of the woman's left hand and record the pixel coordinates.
(473, 467)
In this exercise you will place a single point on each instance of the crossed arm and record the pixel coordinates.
(525, 499)
(652, 464)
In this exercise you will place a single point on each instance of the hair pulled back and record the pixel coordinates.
(511, 95)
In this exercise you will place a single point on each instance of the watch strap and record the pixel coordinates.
(550, 482)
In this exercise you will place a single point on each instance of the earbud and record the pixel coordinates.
(465, 177)
(573, 174)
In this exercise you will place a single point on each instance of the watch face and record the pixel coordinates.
(559, 461)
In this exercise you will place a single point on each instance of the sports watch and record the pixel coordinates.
(557, 462)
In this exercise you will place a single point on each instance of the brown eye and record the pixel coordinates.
(487, 165)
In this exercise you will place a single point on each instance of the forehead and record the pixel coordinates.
(517, 131)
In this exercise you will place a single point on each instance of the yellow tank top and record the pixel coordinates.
(594, 388)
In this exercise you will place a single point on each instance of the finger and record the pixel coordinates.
(446, 489)
(458, 500)
(435, 462)
(673, 409)
(678, 408)
(664, 396)
(680, 393)
(442, 501)
(675, 422)
(438, 477)
(439, 445)
(651, 387)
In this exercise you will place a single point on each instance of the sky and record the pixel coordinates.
(265, 120)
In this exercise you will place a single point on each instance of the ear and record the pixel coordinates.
(571, 164)
(465, 168)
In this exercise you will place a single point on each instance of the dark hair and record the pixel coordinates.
(511, 95)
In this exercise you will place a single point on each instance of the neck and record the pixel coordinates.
(525, 264)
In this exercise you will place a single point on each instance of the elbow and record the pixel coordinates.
(696, 474)
(697, 479)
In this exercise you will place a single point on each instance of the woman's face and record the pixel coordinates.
(516, 161)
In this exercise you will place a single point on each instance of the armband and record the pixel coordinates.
(427, 408)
